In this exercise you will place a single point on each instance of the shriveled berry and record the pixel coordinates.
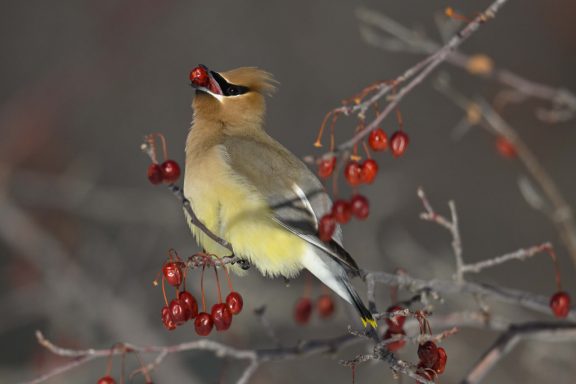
(106, 380)
(179, 312)
(189, 302)
(326, 227)
(154, 174)
(560, 304)
(303, 310)
(170, 171)
(440, 365)
(398, 143)
(428, 353)
(395, 345)
(326, 167)
(353, 173)
(325, 306)
(234, 302)
(222, 316)
(167, 319)
(172, 271)
(369, 171)
(199, 76)
(395, 323)
(426, 373)
(360, 206)
(378, 140)
(505, 147)
(203, 324)
(341, 211)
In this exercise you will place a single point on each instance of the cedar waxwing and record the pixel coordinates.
(251, 191)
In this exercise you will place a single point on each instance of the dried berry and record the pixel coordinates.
(560, 304)
(353, 173)
(398, 143)
(378, 140)
(326, 167)
(190, 303)
(179, 312)
(440, 365)
(222, 316)
(172, 271)
(199, 76)
(167, 319)
(326, 227)
(341, 211)
(325, 306)
(428, 353)
(170, 171)
(303, 310)
(203, 324)
(369, 171)
(360, 206)
(155, 174)
(234, 302)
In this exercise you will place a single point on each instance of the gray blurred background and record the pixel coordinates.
(83, 233)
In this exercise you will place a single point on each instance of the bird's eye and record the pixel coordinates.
(233, 91)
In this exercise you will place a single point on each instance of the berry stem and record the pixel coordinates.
(161, 136)
(552, 254)
(202, 289)
(366, 150)
(226, 272)
(152, 144)
(218, 284)
(400, 119)
(332, 136)
(318, 142)
(164, 291)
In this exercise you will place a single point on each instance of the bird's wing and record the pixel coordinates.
(295, 195)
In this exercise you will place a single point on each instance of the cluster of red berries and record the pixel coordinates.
(167, 172)
(303, 308)
(341, 213)
(184, 306)
(399, 140)
(395, 327)
(560, 304)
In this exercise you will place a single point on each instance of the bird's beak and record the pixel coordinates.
(205, 80)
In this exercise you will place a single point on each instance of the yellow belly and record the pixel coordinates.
(238, 213)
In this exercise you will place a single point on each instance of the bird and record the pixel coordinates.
(251, 191)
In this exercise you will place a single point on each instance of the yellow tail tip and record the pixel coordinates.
(369, 321)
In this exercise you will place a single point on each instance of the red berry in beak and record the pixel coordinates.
(106, 380)
(179, 312)
(199, 77)
(560, 304)
(203, 324)
(189, 302)
(353, 173)
(155, 174)
(167, 319)
(440, 365)
(326, 167)
(170, 171)
(396, 323)
(222, 316)
(369, 171)
(325, 306)
(173, 273)
(396, 345)
(234, 302)
(303, 310)
(398, 143)
(428, 353)
(360, 206)
(326, 227)
(378, 140)
(341, 211)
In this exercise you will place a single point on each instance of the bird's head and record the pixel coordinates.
(234, 98)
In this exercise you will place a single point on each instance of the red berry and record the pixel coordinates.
(167, 319)
(560, 304)
(203, 324)
(326, 167)
(505, 147)
(173, 273)
(189, 302)
(398, 143)
(341, 211)
(360, 206)
(395, 345)
(155, 174)
(222, 316)
(426, 373)
(303, 310)
(325, 306)
(170, 171)
(179, 312)
(378, 140)
(353, 173)
(440, 365)
(106, 380)
(234, 302)
(199, 76)
(326, 227)
(428, 353)
(396, 323)
(369, 171)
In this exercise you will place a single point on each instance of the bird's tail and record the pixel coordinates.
(365, 314)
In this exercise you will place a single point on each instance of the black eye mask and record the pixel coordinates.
(227, 88)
